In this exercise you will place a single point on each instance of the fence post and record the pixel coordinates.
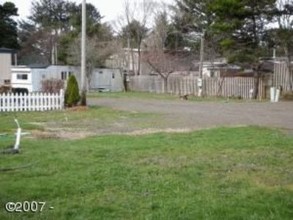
(61, 95)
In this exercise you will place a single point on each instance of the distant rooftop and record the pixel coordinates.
(38, 66)
(7, 50)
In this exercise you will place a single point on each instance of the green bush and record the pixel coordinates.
(72, 92)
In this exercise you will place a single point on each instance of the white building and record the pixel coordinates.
(5, 66)
(30, 78)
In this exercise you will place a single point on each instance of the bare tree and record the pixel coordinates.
(52, 85)
(140, 12)
(97, 52)
(160, 61)
(161, 64)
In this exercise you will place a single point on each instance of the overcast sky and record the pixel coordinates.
(110, 9)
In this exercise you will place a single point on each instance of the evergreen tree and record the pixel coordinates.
(242, 27)
(72, 92)
(8, 27)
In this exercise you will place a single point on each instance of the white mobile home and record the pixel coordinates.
(106, 80)
(30, 78)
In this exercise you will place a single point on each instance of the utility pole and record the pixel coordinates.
(83, 54)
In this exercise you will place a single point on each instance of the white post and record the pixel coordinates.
(250, 94)
(277, 95)
(9, 100)
(18, 135)
(199, 86)
(61, 96)
(272, 94)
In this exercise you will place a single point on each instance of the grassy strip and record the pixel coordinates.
(156, 96)
(91, 118)
(225, 173)
(140, 95)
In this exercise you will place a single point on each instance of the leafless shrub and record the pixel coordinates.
(52, 85)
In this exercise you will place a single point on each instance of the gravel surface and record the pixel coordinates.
(199, 115)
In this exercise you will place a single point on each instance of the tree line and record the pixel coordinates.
(242, 31)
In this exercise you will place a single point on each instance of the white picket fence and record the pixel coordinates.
(31, 102)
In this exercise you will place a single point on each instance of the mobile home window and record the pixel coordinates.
(63, 75)
(21, 76)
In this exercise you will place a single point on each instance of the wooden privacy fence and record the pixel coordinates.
(31, 102)
(241, 87)
(281, 76)
(146, 84)
(182, 85)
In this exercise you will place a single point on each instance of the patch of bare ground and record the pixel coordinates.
(65, 135)
(288, 132)
(78, 108)
(154, 130)
(75, 135)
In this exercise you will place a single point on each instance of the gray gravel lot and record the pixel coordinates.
(198, 115)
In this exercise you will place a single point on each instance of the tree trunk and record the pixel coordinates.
(256, 85)
(256, 82)
(138, 61)
(123, 77)
(139, 54)
(133, 61)
(125, 82)
(165, 80)
(83, 98)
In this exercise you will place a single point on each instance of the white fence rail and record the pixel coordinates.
(31, 102)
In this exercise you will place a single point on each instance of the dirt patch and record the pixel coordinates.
(43, 134)
(65, 135)
(154, 130)
(288, 132)
(74, 135)
(78, 108)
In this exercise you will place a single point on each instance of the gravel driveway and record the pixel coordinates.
(198, 115)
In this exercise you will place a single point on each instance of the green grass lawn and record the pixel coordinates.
(91, 119)
(224, 173)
